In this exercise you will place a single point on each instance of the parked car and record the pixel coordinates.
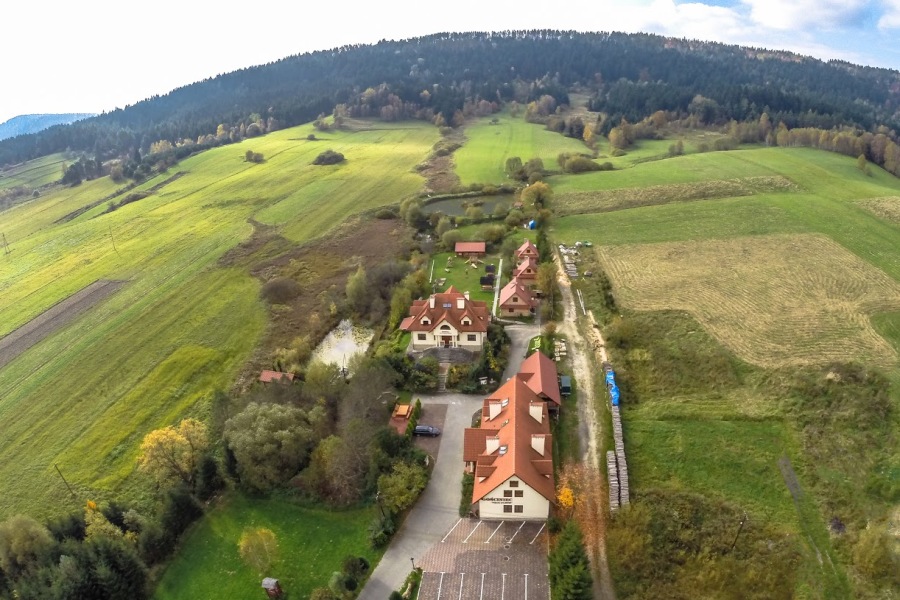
(426, 430)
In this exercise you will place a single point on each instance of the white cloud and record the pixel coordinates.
(890, 19)
(803, 14)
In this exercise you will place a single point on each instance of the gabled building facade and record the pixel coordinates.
(526, 272)
(511, 455)
(449, 319)
(516, 300)
(471, 249)
(540, 375)
(526, 250)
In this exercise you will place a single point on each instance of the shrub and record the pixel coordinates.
(280, 290)
(465, 501)
(209, 481)
(329, 157)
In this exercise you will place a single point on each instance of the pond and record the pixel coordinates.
(456, 207)
(342, 343)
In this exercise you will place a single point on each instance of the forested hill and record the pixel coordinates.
(25, 124)
(630, 75)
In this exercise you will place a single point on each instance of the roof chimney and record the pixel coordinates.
(537, 442)
(493, 410)
(466, 294)
(431, 302)
(492, 444)
(536, 410)
(460, 303)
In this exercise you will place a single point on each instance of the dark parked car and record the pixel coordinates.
(426, 430)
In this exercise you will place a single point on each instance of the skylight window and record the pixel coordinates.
(503, 449)
(448, 305)
(504, 402)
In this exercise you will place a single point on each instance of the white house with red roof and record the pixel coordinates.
(511, 455)
(516, 300)
(450, 320)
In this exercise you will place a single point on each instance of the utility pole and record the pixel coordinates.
(6, 249)
(740, 528)
(71, 491)
(113, 242)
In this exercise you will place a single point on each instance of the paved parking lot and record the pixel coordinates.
(487, 560)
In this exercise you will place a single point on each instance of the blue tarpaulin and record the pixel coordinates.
(614, 395)
(532, 224)
(611, 378)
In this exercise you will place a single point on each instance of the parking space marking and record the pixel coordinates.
(462, 577)
(466, 541)
(526, 586)
(503, 587)
(516, 533)
(451, 531)
(481, 597)
(440, 585)
(537, 534)
(495, 531)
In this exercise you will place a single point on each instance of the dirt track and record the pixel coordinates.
(591, 511)
(57, 316)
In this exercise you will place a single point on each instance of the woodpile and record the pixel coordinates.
(616, 465)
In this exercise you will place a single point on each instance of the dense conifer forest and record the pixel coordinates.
(626, 75)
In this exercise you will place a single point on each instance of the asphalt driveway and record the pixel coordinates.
(438, 508)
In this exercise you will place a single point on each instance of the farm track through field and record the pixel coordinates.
(54, 318)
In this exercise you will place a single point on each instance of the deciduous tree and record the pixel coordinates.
(400, 488)
(171, 454)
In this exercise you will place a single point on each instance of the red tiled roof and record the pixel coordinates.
(473, 442)
(540, 373)
(469, 247)
(514, 426)
(527, 248)
(515, 288)
(269, 376)
(520, 270)
(446, 309)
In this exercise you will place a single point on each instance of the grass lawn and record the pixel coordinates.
(312, 543)
(458, 273)
(184, 324)
(482, 159)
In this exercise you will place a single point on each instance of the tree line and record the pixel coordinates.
(628, 75)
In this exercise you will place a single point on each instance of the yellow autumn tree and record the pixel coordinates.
(171, 454)
(565, 497)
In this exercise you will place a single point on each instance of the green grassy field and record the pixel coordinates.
(312, 543)
(34, 173)
(698, 419)
(482, 159)
(466, 279)
(183, 324)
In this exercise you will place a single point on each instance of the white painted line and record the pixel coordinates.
(538, 533)
(440, 585)
(481, 597)
(503, 587)
(462, 576)
(516, 533)
(526, 586)
(495, 531)
(466, 541)
(451, 531)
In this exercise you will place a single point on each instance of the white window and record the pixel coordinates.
(445, 327)
(472, 337)
(519, 508)
(421, 336)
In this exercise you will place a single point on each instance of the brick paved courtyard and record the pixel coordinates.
(487, 560)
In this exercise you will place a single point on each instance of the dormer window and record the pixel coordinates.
(466, 321)
(426, 321)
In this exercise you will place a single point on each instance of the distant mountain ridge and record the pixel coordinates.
(25, 124)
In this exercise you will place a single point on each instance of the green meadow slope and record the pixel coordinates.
(748, 284)
(184, 323)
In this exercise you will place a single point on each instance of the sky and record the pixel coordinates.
(98, 55)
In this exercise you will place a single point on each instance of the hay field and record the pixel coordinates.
(773, 300)
(573, 203)
(886, 208)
